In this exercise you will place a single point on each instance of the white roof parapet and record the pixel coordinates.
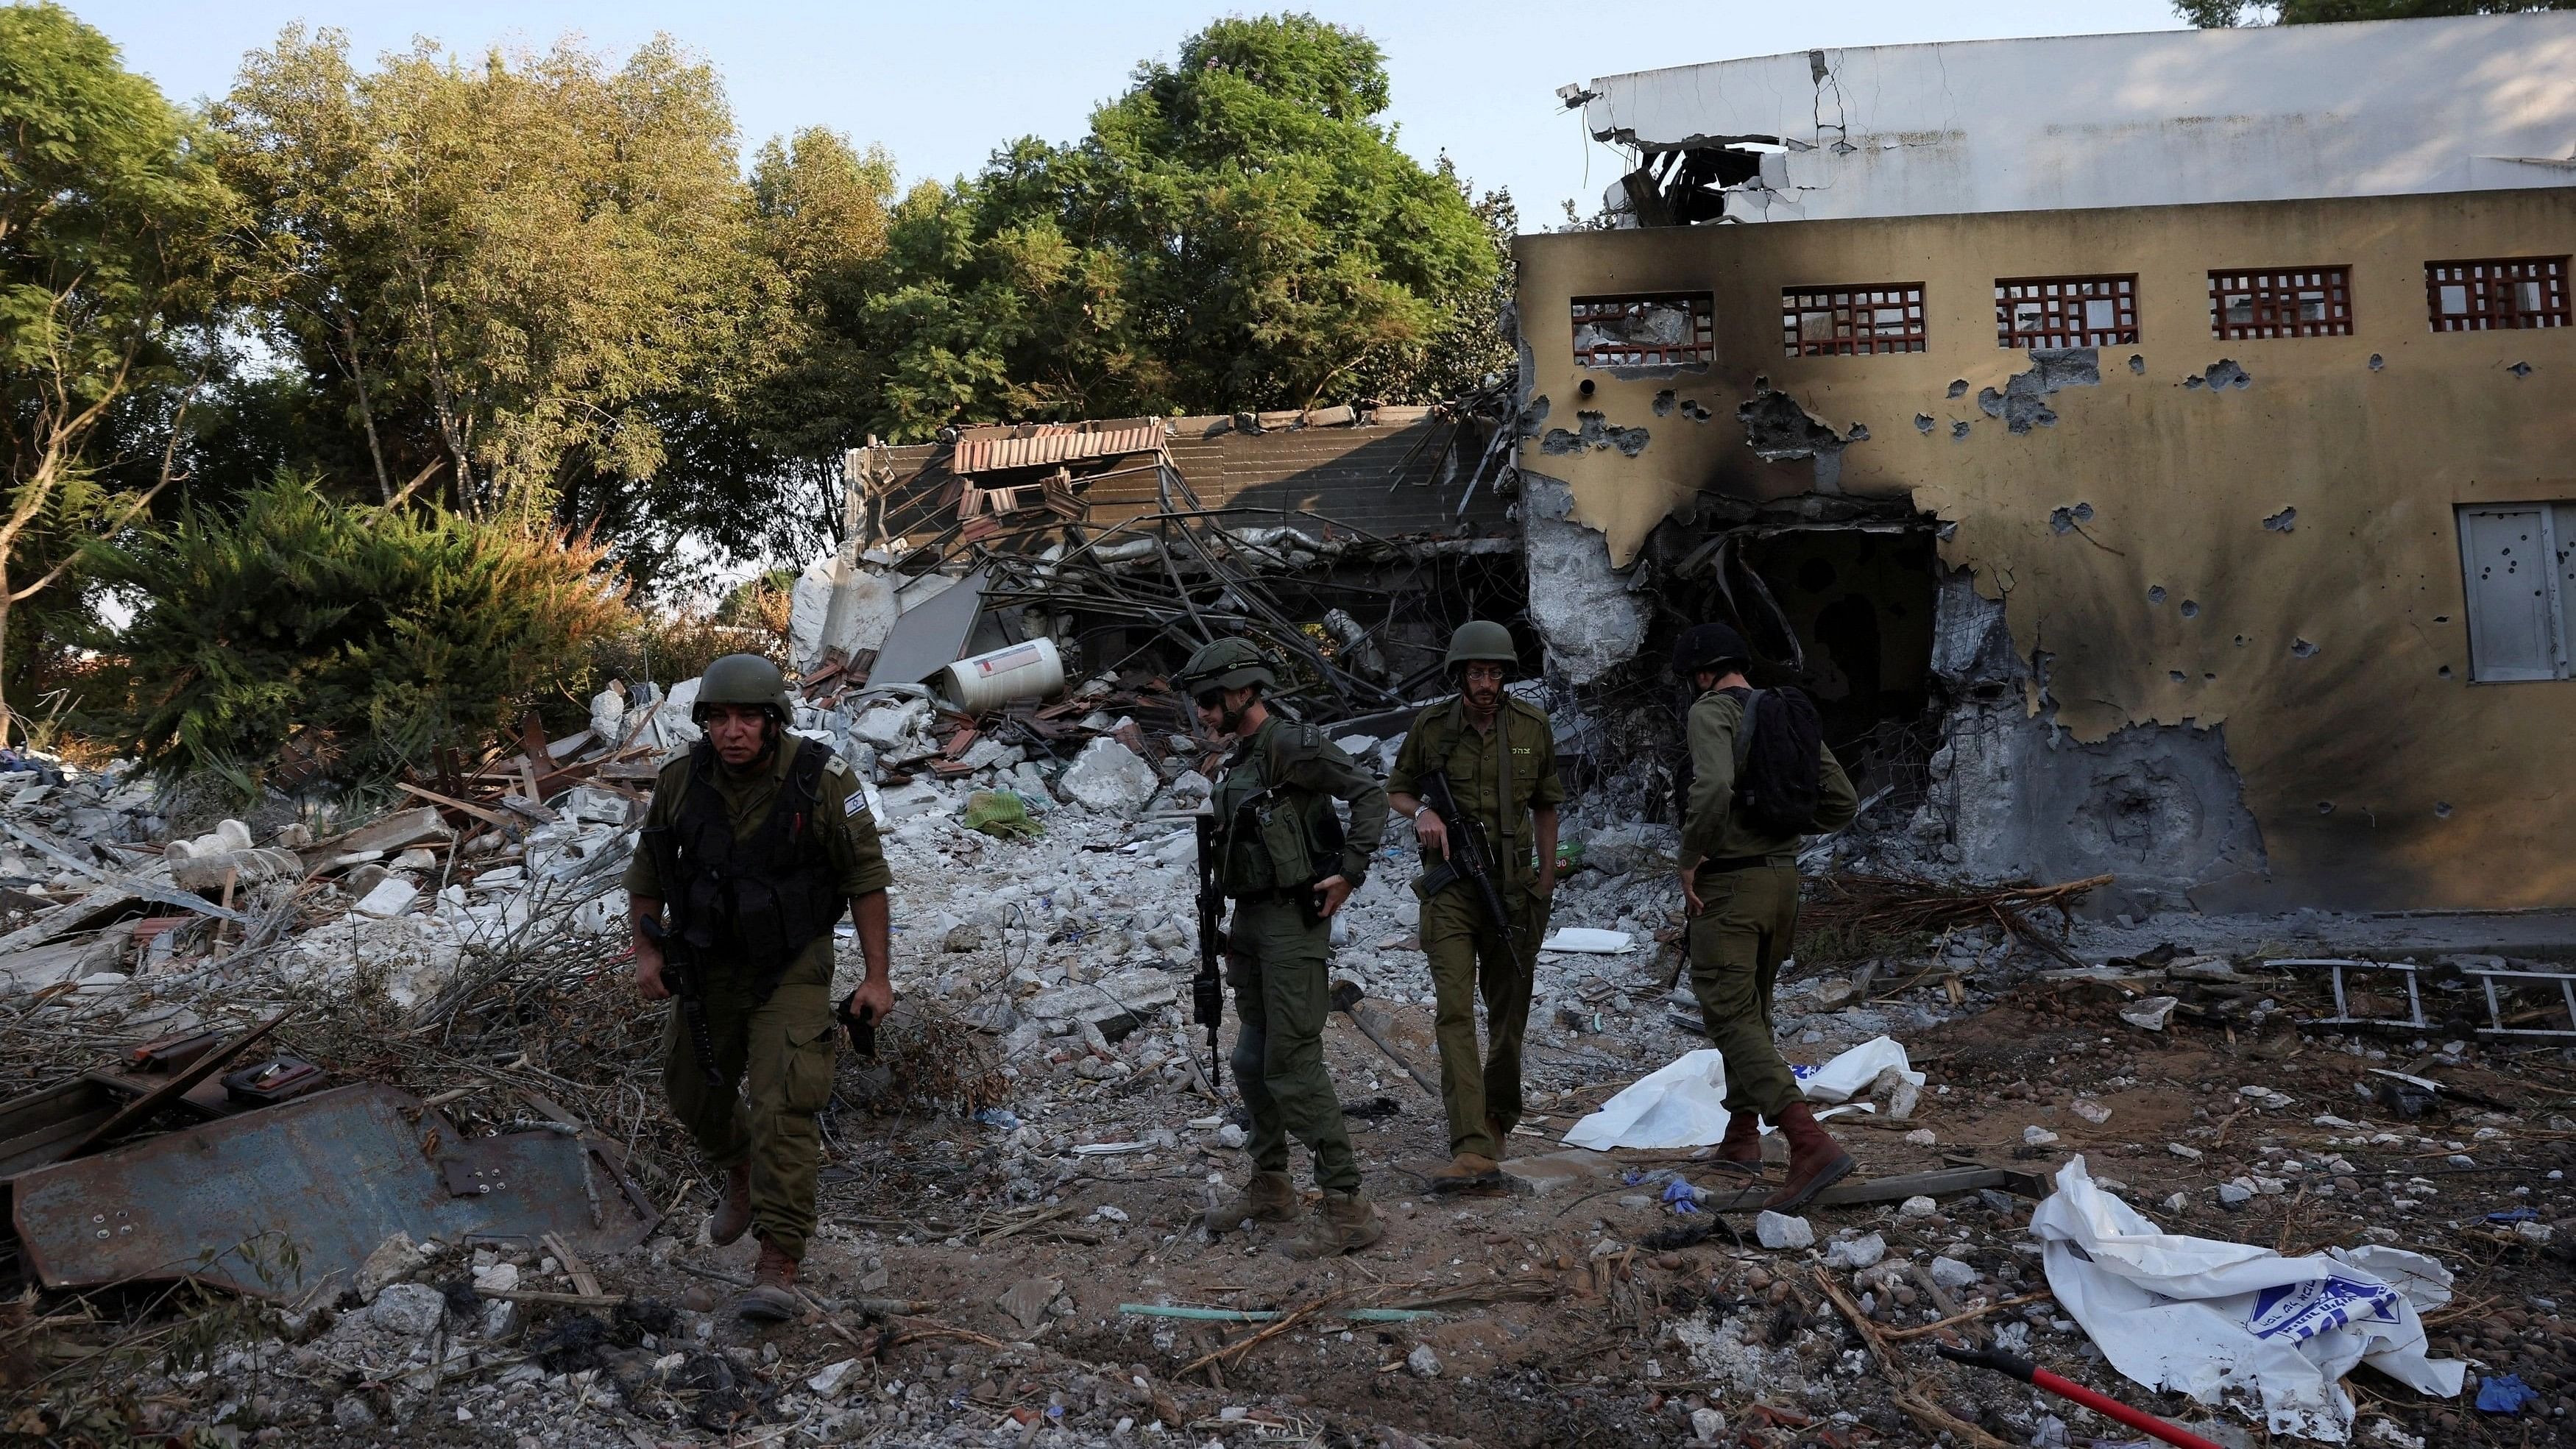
(2377, 108)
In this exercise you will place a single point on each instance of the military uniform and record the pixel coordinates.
(768, 998)
(1747, 883)
(1277, 835)
(1499, 776)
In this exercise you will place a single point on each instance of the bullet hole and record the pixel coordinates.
(1859, 433)
(2283, 521)
(2302, 648)
(2209, 678)
(2377, 362)
(2177, 675)
(1959, 387)
(2325, 807)
(1959, 432)
(1586, 388)
(2062, 519)
(2441, 618)
(2441, 809)
(2520, 369)
(2192, 382)
(2224, 374)
(2155, 593)
(1695, 410)
(2240, 641)
(2191, 608)
(1923, 423)
(2442, 673)
(2137, 364)
(1664, 403)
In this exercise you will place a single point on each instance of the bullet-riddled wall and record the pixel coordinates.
(2257, 535)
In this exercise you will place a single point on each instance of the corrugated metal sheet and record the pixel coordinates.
(1035, 445)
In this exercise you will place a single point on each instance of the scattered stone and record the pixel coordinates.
(2036, 1136)
(2187, 1154)
(1915, 1209)
(2090, 1110)
(1027, 1300)
(828, 1382)
(413, 1310)
(1855, 1253)
(1422, 1363)
(1706, 1425)
(498, 1278)
(1778, 1231)
(2234, 1194)
(394, 1259)
(2536, 1234)
(352, 1412)
(2150, 1013)
(1952, 1274)
(1921, 1137)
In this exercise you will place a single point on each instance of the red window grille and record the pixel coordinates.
(2492, 295)
(1851, 321)
(2066, 311)
(1658, 330)
(2287, 302)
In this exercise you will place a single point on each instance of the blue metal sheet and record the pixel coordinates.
(290, 1199)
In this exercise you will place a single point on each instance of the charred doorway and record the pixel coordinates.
(1844, 613)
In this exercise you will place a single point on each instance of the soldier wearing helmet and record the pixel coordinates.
(769, 839)
(1288, 864)
(1740, 891)
(1500, 757)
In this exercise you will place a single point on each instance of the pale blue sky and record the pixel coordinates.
(941, 85)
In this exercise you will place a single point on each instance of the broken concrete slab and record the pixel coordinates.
(1121, 1000)
(1110, 778)
(392, 833)
(1555, 1172)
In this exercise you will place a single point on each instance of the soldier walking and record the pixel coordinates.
(1740, 889)
(1288, 864)
(1499, 757)
(759, 840)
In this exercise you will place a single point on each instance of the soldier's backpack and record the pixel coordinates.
(1779, 761)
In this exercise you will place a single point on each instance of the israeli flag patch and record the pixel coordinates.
(856, 805)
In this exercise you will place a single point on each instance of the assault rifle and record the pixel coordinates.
(680, 973)
(1468, 858)
(1207, 989)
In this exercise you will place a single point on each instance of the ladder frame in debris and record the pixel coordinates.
(2414, 1020)
(2487, 977)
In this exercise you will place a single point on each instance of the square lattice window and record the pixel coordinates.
(2494, 295)
(1852, 321)
(2288, 302)
(1662, 330)
(2050, 312)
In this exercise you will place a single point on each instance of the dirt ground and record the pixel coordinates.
(1552, 1324)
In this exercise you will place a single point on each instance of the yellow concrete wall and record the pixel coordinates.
(2180, 481)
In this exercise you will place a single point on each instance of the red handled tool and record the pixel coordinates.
(2040, 1378)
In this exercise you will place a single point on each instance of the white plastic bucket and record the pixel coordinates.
(1029, 670)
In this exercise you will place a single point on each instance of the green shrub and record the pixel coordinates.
(369, 639)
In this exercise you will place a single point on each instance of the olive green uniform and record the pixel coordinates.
(1275, 819)
(1499, 775)
(1748, 919)
(785, 1044)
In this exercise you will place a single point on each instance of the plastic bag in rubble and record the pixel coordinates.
(1001, 813)
(2200, 1315)
(1683, 1103)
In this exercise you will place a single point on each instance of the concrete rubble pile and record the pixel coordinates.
(1049, 1230)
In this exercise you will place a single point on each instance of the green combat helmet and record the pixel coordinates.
(1226, 664)
(1480, 641)
(744, 679)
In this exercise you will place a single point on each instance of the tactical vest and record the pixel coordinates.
(757, 902)
(1272, 836)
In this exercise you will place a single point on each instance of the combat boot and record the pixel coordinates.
(1268, 1198)
(1816, 1160)
(732, 1217)
(1741, 1149)
(1501, 1134)
(1344, 1222)
(771, 1298)
(1465, 1170)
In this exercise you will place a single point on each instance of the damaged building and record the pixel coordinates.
(2170, 431)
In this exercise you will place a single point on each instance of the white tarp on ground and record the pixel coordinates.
(1683, 1103)
(2200, 1315)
